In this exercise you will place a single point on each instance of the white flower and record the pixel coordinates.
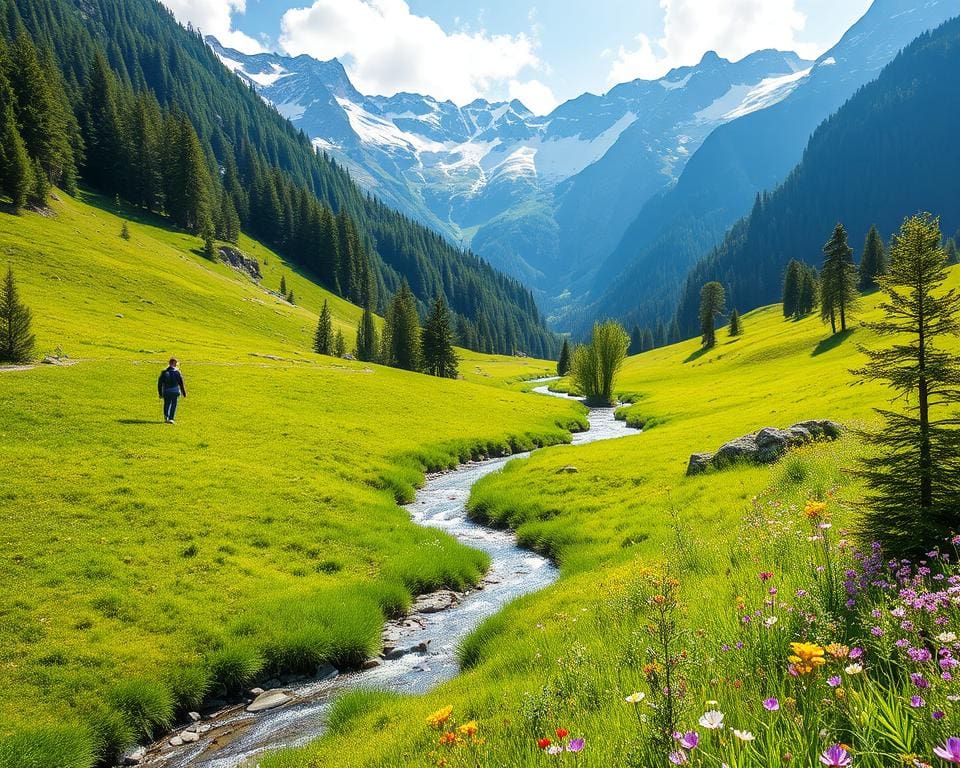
(770, 621)
(635, 698)
(712, 720)
(854, 669)
(744, 735)
(947, 637)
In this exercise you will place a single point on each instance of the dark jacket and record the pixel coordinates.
(169, 379)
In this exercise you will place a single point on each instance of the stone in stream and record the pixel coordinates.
(136, 757)
(370, 664)
(176, 741)
(435, 602)
(270, 700)
(326, 672)
(188, 737)
(193, 716)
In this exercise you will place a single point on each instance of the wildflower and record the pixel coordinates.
(919, 680)
(439, 717)
(770, 621)
(946, 637)
(765, 575)
(635, 698)
(838, 651)
(938, 714)
(917, 702)
(853, 669)
(950, 751)
(771, 704)
(544, 743)
(562, 733)
(856, 653)
(689, 740)
(678, 758)
(876, 631)
(833, 681)
(806, 657)
(469, 729)
(712, 720)
(836, 757)
(556, 749)
(744, 735)
(576, 745)
(814, 509)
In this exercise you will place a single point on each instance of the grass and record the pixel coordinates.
(260, 534)
(646, 552)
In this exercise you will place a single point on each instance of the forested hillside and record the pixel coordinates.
(155, 119)
(887, 152)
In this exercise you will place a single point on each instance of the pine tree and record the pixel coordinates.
(838, 280)
(914, 474)
(439, 356)
(16, 340)
(401, 335)
(125, 231)
(16, 173)
(283, 285)
(808, 292)
(712, 301)
(102, 132)
(736, 324)
(323, 340)
(792, 286)
(673, 335)
(636, 341)
(209, 249)
(874, 261)
(291, 299)
(367, 338)
(563, 365)
(951, 251)
(646, 341)
(340, 345)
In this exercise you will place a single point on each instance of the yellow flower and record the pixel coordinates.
(806, 657)
(469, 729)
(815, 509)
(439, 717)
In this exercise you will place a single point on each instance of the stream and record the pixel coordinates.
(424, 642)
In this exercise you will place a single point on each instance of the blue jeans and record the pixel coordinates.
(170, 404)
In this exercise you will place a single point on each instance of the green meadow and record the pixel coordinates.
(145, 567)
(717, 573)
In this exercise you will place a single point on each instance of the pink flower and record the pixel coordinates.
(950, 751)
(836, 757)
(765, 575)
(678, 758)
(771, 704)
(689, 740)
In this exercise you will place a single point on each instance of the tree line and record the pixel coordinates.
(127, 101)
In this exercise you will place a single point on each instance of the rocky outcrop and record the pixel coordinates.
(240, 262)
(765, 446)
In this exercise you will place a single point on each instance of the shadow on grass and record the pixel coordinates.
(832, 342)
(128, 422)
(698, 354)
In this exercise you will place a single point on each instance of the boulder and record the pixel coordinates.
(135, 757)
(741, 449)
(699, 463)
(189, 737)
(435, 602)
(327, 672)
(176, 741)
(567, 470)
(370, 664)
(269, 700)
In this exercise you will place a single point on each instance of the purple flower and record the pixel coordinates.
(919, 680)
(576, 745)
(950, 751)
(689, 740)
(856, 653)
(833, 681)
(917, 702)
(836, 757)
(937, 715)
(876, 631)
(678, 758)
(771, 704)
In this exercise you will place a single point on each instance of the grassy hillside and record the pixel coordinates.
(647, 553)
(145, 565)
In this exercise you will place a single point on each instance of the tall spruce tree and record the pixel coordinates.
(16, 339)
(323, 339)
(401, 335)
(367, 347)
(439, 356)
(712, 302)
(736, 324)
(914, 473)
(792, 283)
(874, 261)
(16, 170)
(636, 341)
(563, 364)
(808, 292)
(838, 280)
(646, 341)
(283, 285)
(339, 344)
(951, 250)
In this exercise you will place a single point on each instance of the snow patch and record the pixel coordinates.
(672, 85)
(381, 132)
(562, 158)
(768, 92)
(266, 79)
(828, 62)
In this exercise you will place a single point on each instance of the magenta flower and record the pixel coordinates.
(950, 751)
(576, 745)
(678, 758)
(689, 740)
(833, 681)
(771, 704)
(765, 575)
(917, 702)
(836, 757)
(856, 653)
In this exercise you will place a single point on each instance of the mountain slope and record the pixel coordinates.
(887, 153)
(537, 196)
(258, 162)
(642, 276)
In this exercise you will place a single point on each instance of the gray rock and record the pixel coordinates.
(270, 700)
(799, 436)
(742, 449)
(435, 602)
(327, 672)
(771, 443)
(254, 692)
(189, 737)
(236, 259)
(176, 741)
(193, 716)
(699, 463)
(370, 664)
(135, 757)
(831, 429)
(567, 471)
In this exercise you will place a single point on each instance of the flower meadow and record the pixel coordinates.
(824, 653)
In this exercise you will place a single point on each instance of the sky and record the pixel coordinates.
(542, 52)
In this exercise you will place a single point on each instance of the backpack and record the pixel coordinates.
(171, 379)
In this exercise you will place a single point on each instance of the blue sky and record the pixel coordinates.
(541, 52)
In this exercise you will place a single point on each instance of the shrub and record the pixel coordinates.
(112, 734)
(147, 705)
(189, 686)
(63, 746)
(234, 667)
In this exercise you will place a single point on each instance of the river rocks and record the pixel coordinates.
(189, 737)
(176, 741)
(435, 602)
(392, 654)
(135, 757)
(193, 716)
(326, 672)
(765, 446)
(370, 664)
(270, 700)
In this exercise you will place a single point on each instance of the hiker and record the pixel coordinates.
(170, 387)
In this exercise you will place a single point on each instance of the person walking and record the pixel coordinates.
(170, 387)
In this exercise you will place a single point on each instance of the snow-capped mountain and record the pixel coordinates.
(510, 183)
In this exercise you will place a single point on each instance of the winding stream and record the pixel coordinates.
(431, 636)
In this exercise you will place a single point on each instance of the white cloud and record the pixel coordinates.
(215, 17)
(732, 28)
(535, 95)
(386, 49)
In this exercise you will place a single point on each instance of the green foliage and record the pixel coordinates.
(147, 705)
(340, 344)
(438, 355)
(563, 364)
(125, 231)
(43, 747)
(791, 288)
(16, 338)
(838, 280)
(736, 324)
(323, 341)
(400, 343)
(367, 346)
(595, 365)
(353, 705)
(914, 473)
(712, 306)
(234, 667)
(874, 261)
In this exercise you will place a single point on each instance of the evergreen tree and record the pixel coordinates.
(16, 172)
(291, 299)
(914, 474)
(838, 281)
(736, 324)
(712, 301)
(951, 251)
(188, 198)
(563, 364)
(323, 340)
(874, 261)
(636, 341)
(125, 231)
(209, 249)
(367, 338)
(808, 292)
(401, 334)
(16, 340)
(103, 164)
(792, 286)
(283, 285)
(339, 345)
(646, 341)
(439, 356)
(673, 335)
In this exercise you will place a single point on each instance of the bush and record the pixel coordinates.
(112, 734)
(234, 667)
(147, 705)
(61, 746)
(189, 687)
(596, 365)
